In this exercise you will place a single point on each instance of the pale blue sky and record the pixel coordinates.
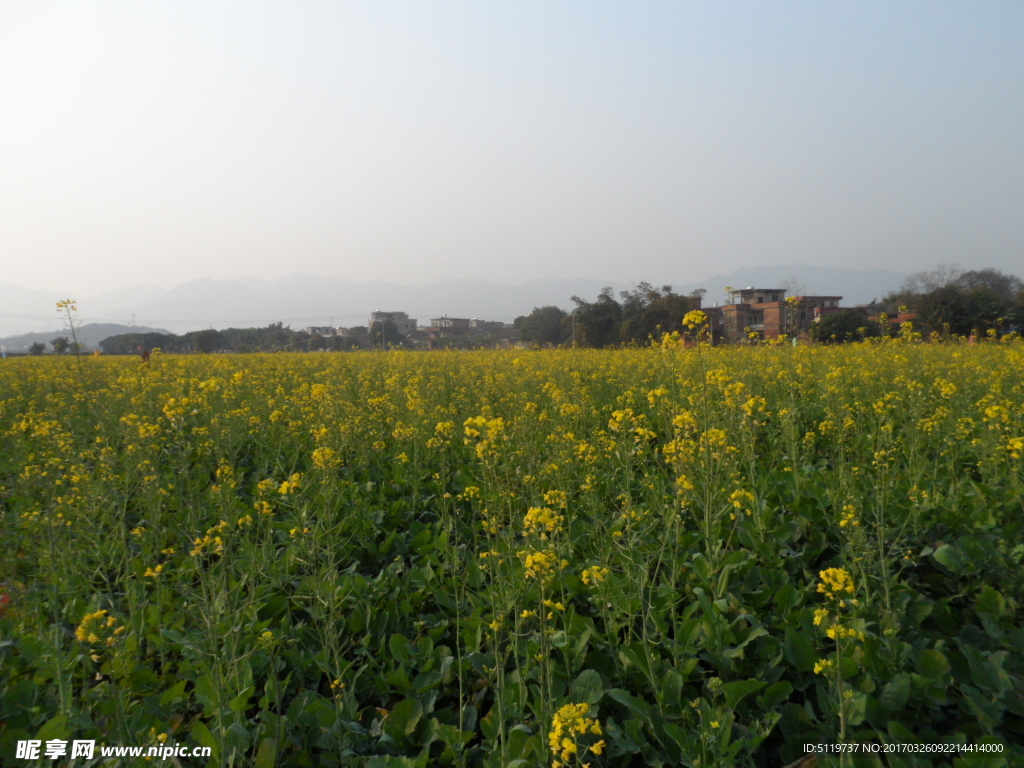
(157, 142)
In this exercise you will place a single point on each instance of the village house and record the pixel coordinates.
(464, 327)
(767, 313)
(403, 323)
(449, 326)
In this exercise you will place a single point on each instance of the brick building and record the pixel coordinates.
(769, 314)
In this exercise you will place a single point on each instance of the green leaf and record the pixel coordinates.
(521, 742)
(405, 716)
(990, 601)
(54, 728)
(266, 755)
(241, 701)
(637, 706)
(489, 724)
(787, 598)
(987, 671)
(949, 557)
(735, 692)
(672, 689)
(737, 651)
(894, 696)
(202, 735)
(799, 649)
(175, 692)
(469, 717)
(636, 655)
(427, 680)
(932, 663)
(401, 649)
(206, 694)
(587, 687)
(900, 735)
(856, 708)
(775, 695)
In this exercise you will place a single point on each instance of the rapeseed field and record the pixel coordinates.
(657, 557)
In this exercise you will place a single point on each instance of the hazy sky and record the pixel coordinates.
(156, 142)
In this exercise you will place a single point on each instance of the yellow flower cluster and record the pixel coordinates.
(556, 499)
(325, 458)
(743, 500)
(837, 585)
(754, 406)
(542, 520)
(174, 408)
(98, 627)
(487, 430)
(569, 725)
(849, 517)
(1015, 445)
(266, 641)
(838, 632)
(443, 433)
(494, 555)
(211, 543)
(835, 581)
(541, 566)
(594, 575)
(694, 319)
(264, 487)
(291, 485)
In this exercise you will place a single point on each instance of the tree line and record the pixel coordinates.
(275, 337)
(635, 317)
(946, 300)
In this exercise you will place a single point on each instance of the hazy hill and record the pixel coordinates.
(90, 334)
(23, 310)
(304, 300)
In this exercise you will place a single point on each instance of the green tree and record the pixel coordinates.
(206, 341)
(945, 308)
(598, 321)
(385, 334)
(648, 312)
(36, 348)
(61, 344)
(1007, 288)
(961, 302)
(844, 325)
(134, 343)
(544, 325)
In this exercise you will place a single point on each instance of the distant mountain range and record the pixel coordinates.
(304, 300)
